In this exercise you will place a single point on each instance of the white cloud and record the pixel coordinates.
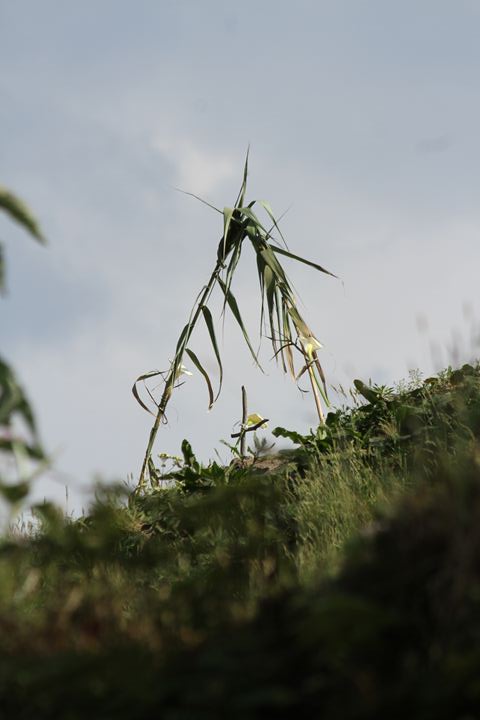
(196, 169)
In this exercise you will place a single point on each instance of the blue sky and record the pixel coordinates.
(363, 121)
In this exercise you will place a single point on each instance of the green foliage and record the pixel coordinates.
(288, 329)
(15, 405)
(340, 578)
(399, 425)
(17, 447)
(16, 209)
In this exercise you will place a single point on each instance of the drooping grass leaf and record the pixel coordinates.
(321, 387)
(181, 345)
(236, 233)
(227, 219)
(233, 305)
(260, 271)
(287, 339)
(271, 259)
(211, 331)
(202, 370)
(281, 312)
(18, 211)
(237, 251)
(13, 399)
(322, 377)
(141, 378)
(290, 255)
(300, 325)
(270, 294)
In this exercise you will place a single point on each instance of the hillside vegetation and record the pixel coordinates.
(338, 579)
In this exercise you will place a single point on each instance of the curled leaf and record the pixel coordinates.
(141, 378)
(202, 370)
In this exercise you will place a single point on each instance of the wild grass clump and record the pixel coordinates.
(287, 329)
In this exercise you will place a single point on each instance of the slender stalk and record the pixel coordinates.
(170, 382)
(244, 422)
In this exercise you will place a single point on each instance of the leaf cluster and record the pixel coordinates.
(18, 444)
(407, 424)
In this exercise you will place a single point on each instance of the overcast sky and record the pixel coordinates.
(363, 119)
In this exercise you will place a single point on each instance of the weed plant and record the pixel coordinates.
(288, 329)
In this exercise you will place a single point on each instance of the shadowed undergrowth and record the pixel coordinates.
(341, 576)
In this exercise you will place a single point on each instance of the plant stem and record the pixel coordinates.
(244, 422)
(170, 382)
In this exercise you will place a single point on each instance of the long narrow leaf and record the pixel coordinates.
(264, 249)
(281, 309)
(260, 270)
(13, 399)
(232, 303)
(237, 251)
(321, 390)
(145, 376)
(241, 194)
(227, 219)
(290, 255)
(270, 294)
(287, 339)
(204, 202)
(202, 370)
(181, 344)
(322, 377)
(266, 206)
(260, 229)
(300, 324)
(271, 260)
(211, 331)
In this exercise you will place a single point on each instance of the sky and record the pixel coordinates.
(362, 119)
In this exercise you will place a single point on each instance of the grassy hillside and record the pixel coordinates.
(340, 578)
